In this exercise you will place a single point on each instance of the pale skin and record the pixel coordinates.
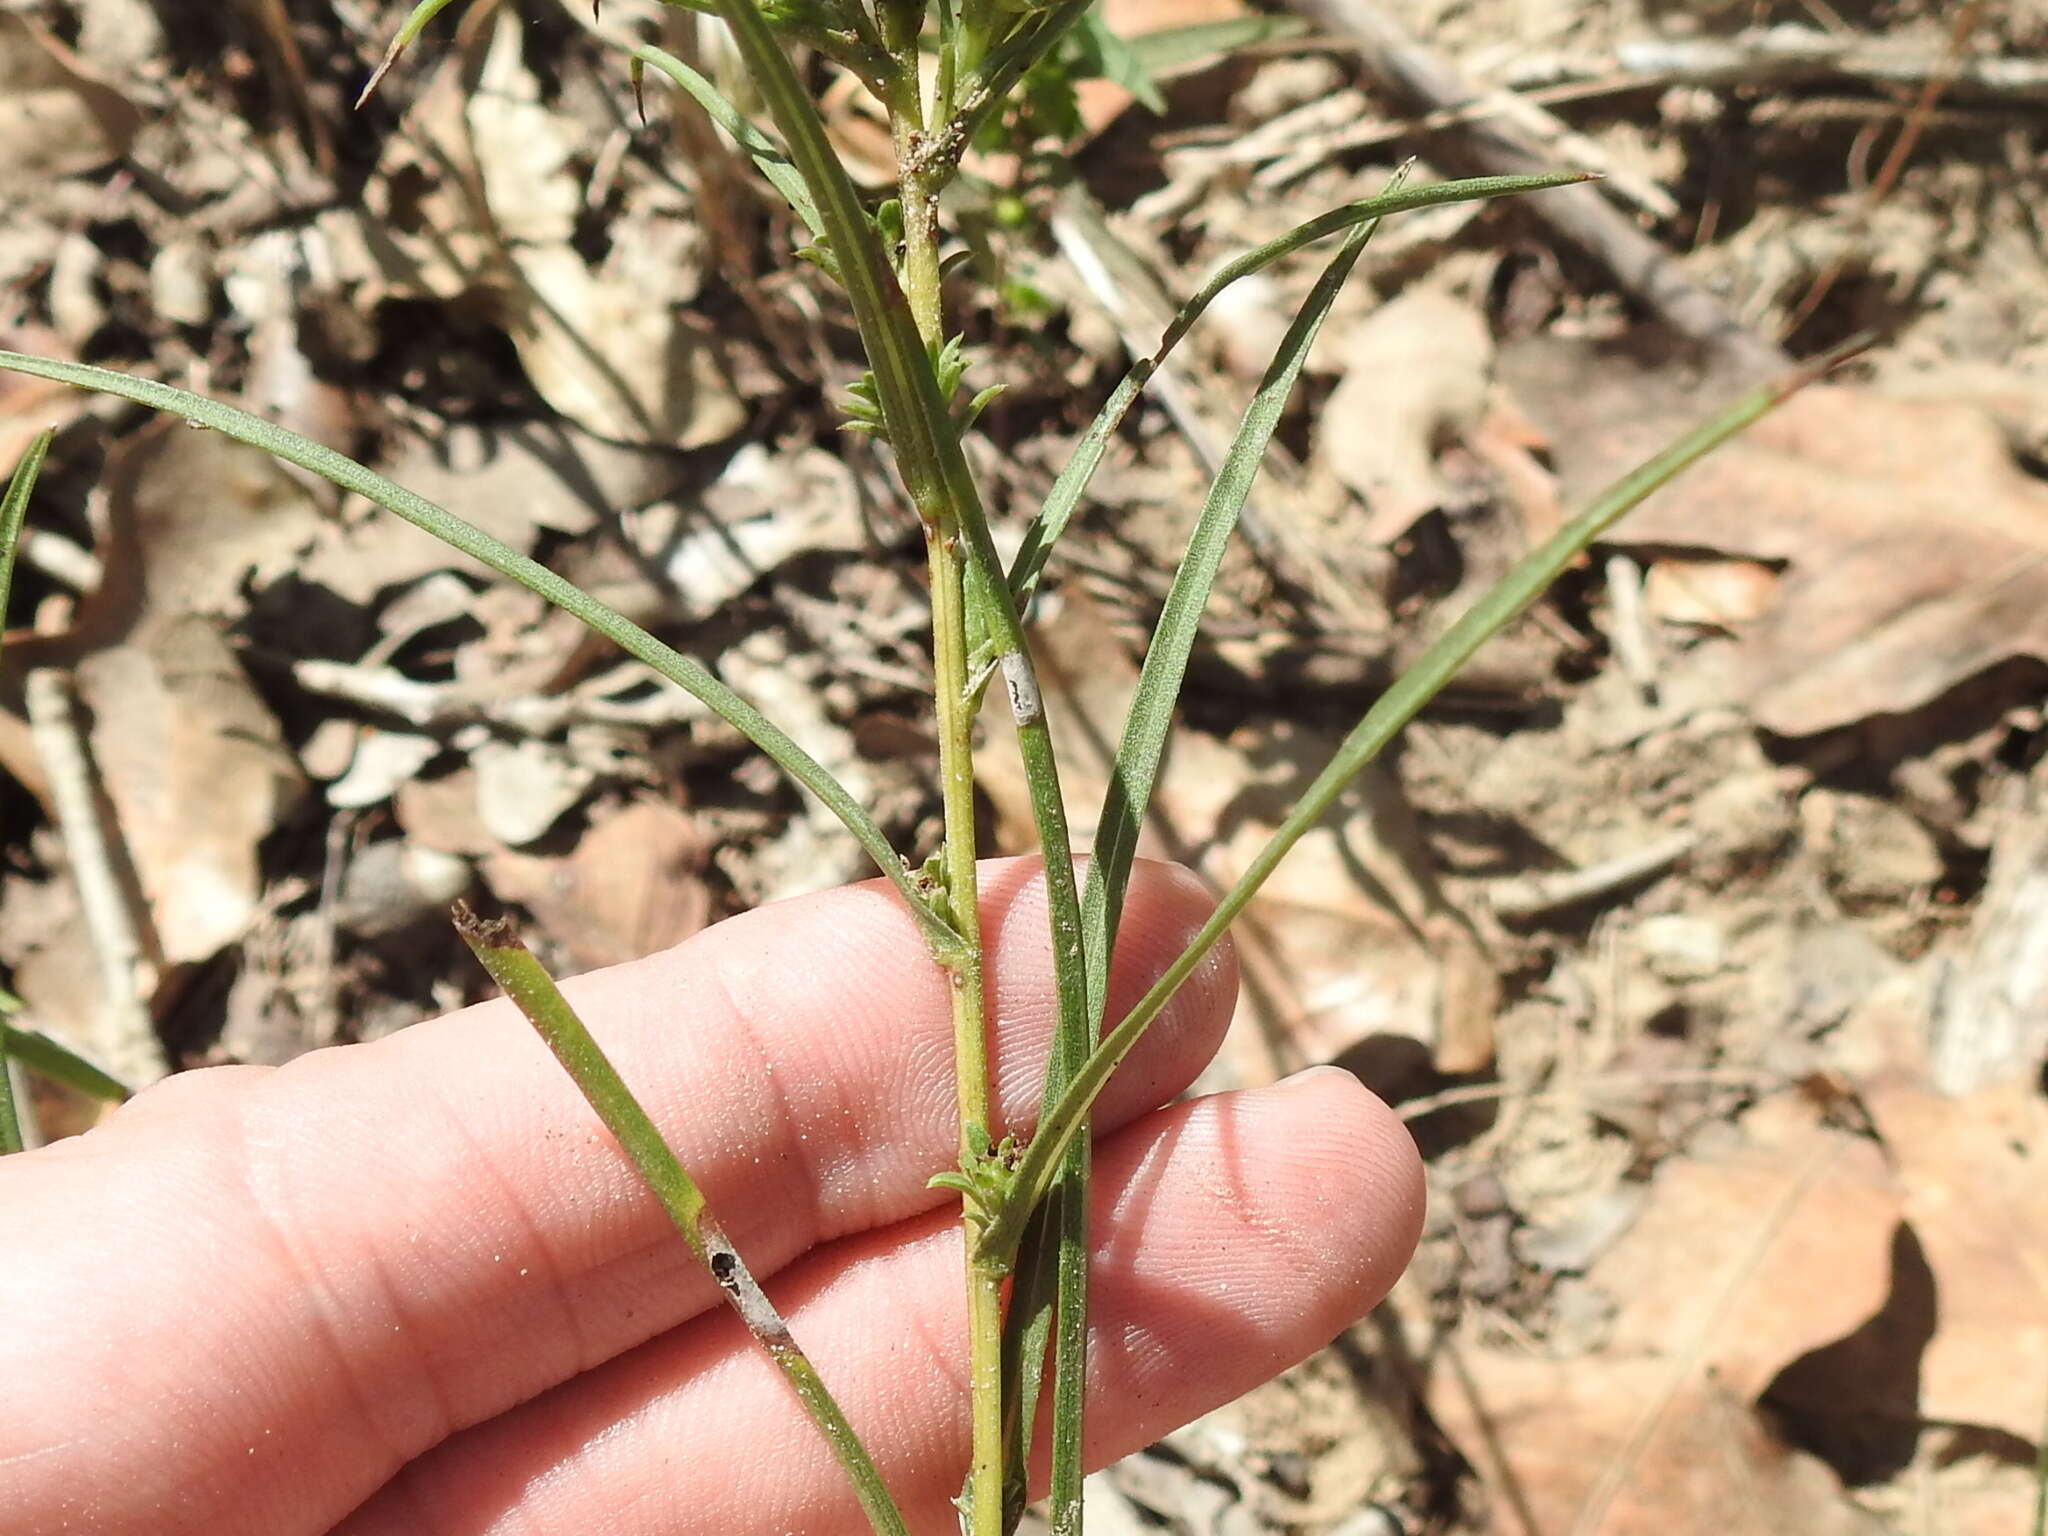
(412, 1287)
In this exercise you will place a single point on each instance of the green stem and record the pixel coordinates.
(956, 776)
(955, 700)
(920, 197)
(984, 1491)
(526, 982)
(936, 475)
(1396, 707)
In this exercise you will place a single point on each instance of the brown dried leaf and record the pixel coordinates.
(633, 885)
(191, 517)
(608, 346)
(196, 769)
(1724, 594)
(55, 118)
(1969, 1180)
(1864, 1292)
(50, 957)
(441, 813)
(1416, 376)
(29, 405)
(1913, 542)
(1716, 1285)
(1917, 552)
(511, 481)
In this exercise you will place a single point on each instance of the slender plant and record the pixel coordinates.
(944, 74)
(31, 1049)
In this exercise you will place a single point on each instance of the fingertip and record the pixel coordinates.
(1164, 909)
(1373, 1166)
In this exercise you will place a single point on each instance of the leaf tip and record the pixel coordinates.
(484, 932)
(383, 68)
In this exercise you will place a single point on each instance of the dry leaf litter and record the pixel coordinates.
(1698, 931)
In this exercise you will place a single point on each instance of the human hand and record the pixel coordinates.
(414, 1287)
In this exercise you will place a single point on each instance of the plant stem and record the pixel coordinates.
(921, 245)
(955, 700)
(956, 775)
(935, 473)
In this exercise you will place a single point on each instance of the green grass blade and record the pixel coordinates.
(1527, 581)
(1080, 468)
(1130, 791)
(1150, 718)
(766, 155)
(994, 77)
(526, 982)
(40, 1054)
(2040, 1527)
(1027, 1331)
(13, 518)
(474, 542)
(1176, 48)
(14, 510)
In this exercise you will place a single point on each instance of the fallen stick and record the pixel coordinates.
(127, 1044)
(1494, 146)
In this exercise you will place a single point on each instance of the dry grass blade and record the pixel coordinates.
(526, 982)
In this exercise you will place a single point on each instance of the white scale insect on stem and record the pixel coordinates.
(1023, 687)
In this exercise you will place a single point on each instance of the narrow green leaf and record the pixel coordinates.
(14, 510)
(2040, 1527)
(10, 1117)
(1087, 457)
(527, 983)
(766, 155)
(1027, 1332)
(992, 78)
(13, 518)
(1106, 55)
(1177, 48)
(1130, 791)
(1522, 585)
(39, 1053)
(1150, 717)
(474, 542)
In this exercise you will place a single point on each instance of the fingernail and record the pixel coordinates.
(1316, 1074)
